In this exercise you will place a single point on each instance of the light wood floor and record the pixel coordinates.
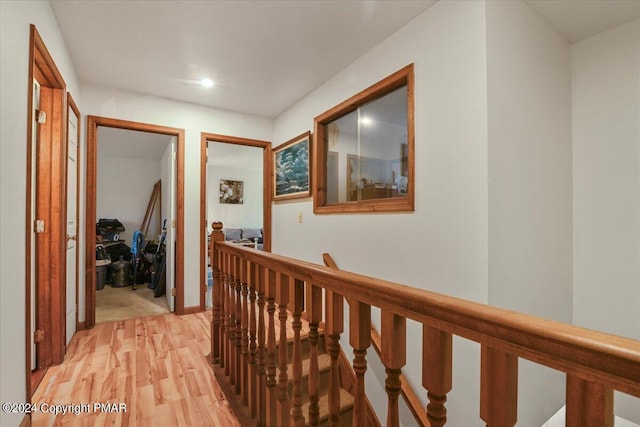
(123, 303)
(155, 365)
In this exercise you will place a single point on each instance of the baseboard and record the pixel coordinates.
(81, 326)
(192, 310)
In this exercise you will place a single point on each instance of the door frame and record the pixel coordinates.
(71, 105)
(93, 122)
(50, 188)
(266, 196)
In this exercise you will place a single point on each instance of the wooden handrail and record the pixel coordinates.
(596, 363)
(611, 360)
(407, 392)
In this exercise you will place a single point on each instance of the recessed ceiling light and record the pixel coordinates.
(366, 121)
(206, 83)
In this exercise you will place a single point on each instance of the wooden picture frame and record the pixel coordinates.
(231, 192)
(291, 168)
(393, 193)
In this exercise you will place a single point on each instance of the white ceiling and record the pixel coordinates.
(263, 55)
(113, 142)
(579, 19)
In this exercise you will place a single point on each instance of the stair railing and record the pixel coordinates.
(595, 363)
(406, 390)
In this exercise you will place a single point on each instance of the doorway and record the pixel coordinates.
(175, 228)
(135, 194)
(265, 146)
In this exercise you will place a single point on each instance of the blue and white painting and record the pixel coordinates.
(292, 169)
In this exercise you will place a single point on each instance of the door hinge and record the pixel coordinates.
(38, 226)
(173, 292)
(38, 336)
(41, 117)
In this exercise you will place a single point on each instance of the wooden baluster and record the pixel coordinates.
(244, 337)
(588, 404)
(314, 310)
(238, 326)
(216, 323)
(271, 392)
(436, 372)
(394, 357)
(498, 388)
(360, 340)
(253, 349)
(226, 325)
(283, 406)
(334, 326)
(262, 351)
(218, 306)
(297, 418)
(224, 282)
(231, 320)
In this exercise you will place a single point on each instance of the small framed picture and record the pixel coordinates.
(231, 192)
(291, 168)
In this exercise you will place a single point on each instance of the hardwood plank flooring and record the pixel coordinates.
(154, 365)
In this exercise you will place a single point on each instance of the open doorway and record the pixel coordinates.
(135, 200)
(225, 162)
(146, 163)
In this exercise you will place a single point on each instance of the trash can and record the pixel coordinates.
(101, 273)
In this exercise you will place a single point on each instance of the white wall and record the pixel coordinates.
(15, 17)
(530, 208)
(123, 189)
(113, 103)
(237, 163)
(443, 245)
(452, 241)
(606, 174)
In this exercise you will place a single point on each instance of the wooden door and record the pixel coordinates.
(45, 250)
(50, 229)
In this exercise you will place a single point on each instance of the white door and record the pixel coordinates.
(170, 253)
(72, 225)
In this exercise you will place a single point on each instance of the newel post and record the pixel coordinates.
(216, 323)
